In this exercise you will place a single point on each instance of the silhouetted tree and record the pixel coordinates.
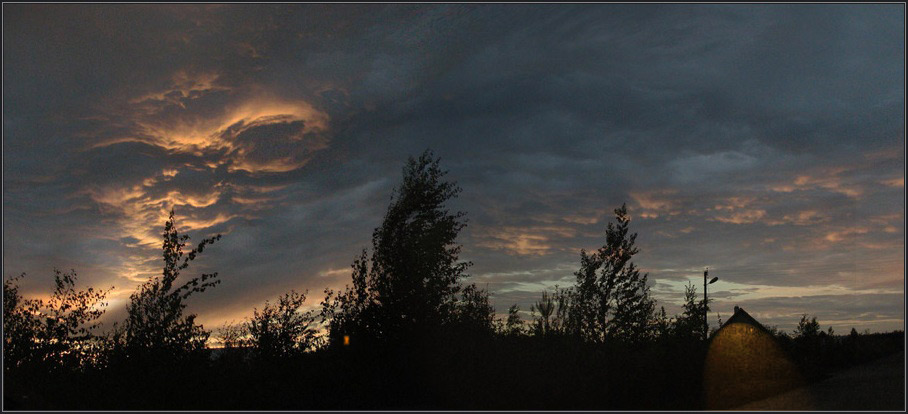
(52, 335)
(546, 308)
(411, 281)
(689, 325)
(807, 328)
(776, 332)
(351, 313)
(554, 309)
(232, 335)
(663, 324)
(20, 325)
(610, 297)
(514, 326)
(156, 326)
(69, 320)
(473, 312)
(283, 330)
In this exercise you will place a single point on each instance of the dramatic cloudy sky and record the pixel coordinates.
(764, 141)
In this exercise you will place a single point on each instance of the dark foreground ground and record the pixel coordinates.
(465, 373)
(878, 385)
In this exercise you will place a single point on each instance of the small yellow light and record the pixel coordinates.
(346, 340)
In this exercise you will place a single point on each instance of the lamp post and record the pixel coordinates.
(706, 303)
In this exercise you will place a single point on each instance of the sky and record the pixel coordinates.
(766, 142)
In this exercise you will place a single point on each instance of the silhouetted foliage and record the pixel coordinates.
(232, 335)
(776, 332)
(20, 325)
(156, 327)
(689, 325)
(814, 348)
(473, 312)
(48, 344)
(409, 285)
(663, 324)
(56, 334)
(807, 328)
(419, 339)
(514, 326)
(283, 330)
(553, 310)
(610, 298)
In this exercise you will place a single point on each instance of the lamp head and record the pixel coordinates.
(714, 280)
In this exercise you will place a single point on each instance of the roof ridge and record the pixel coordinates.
(741, 316)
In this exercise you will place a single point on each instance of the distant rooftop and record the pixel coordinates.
(741, 316)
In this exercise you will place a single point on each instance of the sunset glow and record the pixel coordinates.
(765, 143)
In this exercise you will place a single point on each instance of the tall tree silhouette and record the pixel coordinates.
(611, 297)
(411, 281)
(689, 325)
(156, 326)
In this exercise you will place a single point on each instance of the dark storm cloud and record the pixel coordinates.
(765, 141)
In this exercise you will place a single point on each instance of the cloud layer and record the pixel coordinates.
(763, 141)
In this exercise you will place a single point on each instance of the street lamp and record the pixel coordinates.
(706, 303)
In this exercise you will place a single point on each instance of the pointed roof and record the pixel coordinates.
(741, 316)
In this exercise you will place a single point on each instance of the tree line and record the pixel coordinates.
(407, 332)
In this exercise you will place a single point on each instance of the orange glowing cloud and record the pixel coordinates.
(897, 182)
(138, 214)
(801, 218)
(843, 234)
(172, 119)
(195, 135)
(524, 240)
(185, 85)
(656, 203)
(578, 219)
(244, 129)
(749, 216)
(828, 179)
(737, 210)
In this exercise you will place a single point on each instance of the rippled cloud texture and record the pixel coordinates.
(764, 141)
